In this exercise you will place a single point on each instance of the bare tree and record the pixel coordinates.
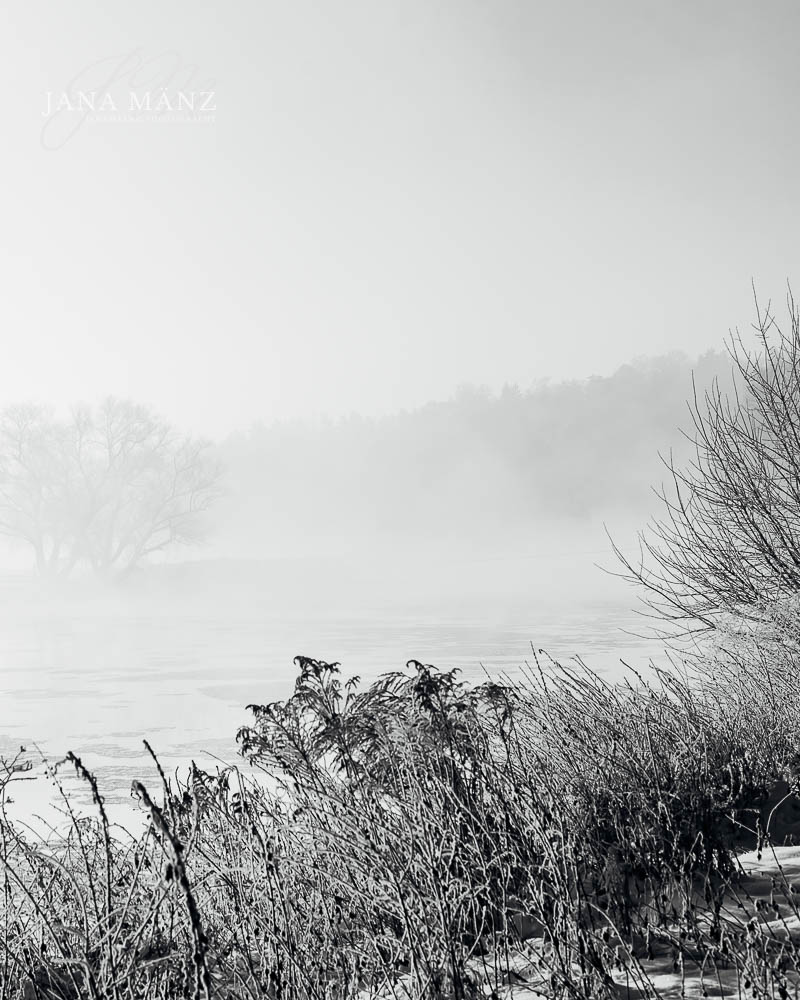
(727, 546)
(33, 480)
(107, 487)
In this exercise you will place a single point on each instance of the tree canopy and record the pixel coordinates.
(105, 487)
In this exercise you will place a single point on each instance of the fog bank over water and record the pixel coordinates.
(489, 493)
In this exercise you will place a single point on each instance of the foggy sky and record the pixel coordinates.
(394, 199)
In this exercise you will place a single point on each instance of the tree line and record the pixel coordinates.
(481, 465)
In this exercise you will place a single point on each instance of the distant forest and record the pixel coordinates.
(481, 466)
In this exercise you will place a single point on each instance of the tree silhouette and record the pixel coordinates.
(106, 487)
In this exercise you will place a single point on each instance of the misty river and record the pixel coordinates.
(177, 658)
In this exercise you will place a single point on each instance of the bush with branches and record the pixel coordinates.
(727, 546)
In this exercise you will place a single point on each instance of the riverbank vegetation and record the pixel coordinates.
(421, 838)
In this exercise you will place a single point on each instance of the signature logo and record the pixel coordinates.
(133, 87)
